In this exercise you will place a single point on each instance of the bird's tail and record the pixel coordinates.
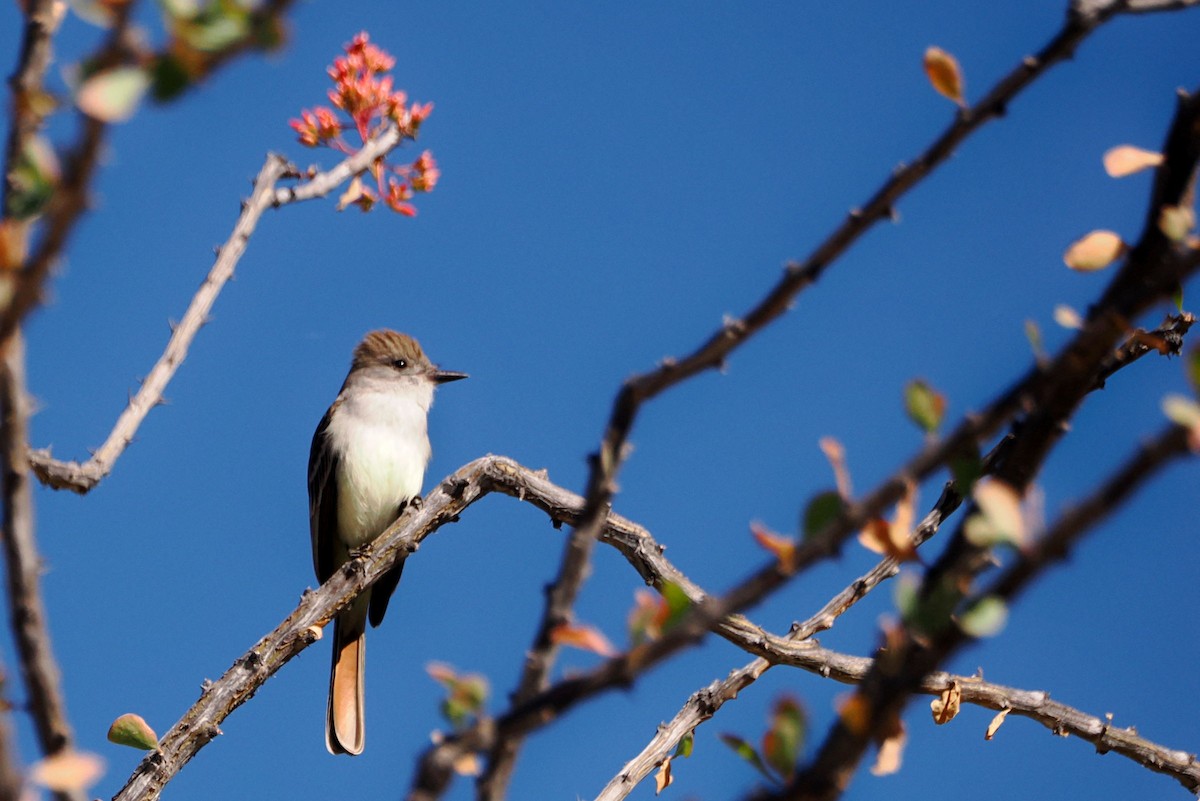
(344, 730)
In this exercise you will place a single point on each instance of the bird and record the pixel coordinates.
(366, 464)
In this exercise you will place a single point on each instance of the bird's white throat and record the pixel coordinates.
(379, 435)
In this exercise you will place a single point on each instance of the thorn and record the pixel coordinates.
(899, 168)
(558, 524)
(892, 214)
(732, 325)
(217, 250)
(856, 213)
(1030, 62)
(668, 363)
(172, 324)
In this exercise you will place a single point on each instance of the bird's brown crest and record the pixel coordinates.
(385, 347)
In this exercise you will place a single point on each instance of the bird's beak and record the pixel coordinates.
(446, 376)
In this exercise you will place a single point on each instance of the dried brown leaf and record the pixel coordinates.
(945, 707)
(67, 771)
(587, 638)
(663, 778)
(945, 74)
(1067, 317)
(996, 723)
(1125, 160)
(836, 454)
(891, 751)
(784, 548)
(1095, 251)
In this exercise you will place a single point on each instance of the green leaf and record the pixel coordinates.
(984, 618)
(269, 33)
(1193, 369)
(34, 177)
(998, 518)
(746, 752)
(1034, 335)
(684, 749)
(133, 731)
(180, 9)
(677, 604)
(929, 610)
(966, 467)
(821, 511)
(785, 737)
(925, 406)
(465, 694)
(216, 27)
(1177, 297)
(112, 95)
(168, 78)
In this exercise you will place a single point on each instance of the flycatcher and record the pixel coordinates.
(367, 463)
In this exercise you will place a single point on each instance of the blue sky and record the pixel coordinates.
(616, 177)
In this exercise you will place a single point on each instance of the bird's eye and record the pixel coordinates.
(400, 364)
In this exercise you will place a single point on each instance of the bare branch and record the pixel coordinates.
(539, 660)
(1152, 270)
(11, 780)
(888, 684)
(1033, 704)
(798, 276)
(26, 82)
(23, 567)
(82, 477)
(640, 549)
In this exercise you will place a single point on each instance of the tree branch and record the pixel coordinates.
(81, 478)
(712, 353)
(23, 567)
(645, 554)
(1036, 705)
(888, 684)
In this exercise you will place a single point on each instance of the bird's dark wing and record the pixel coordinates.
(323, 501)
(381, 593)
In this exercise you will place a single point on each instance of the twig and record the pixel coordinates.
(888, 684)
(1033, 704)
(82, 477)
(70, 198)
(1153, 268)
(39, 669)
(11, 780)
(638, 546)
(711, 354)
(539, 660)
(26, 82)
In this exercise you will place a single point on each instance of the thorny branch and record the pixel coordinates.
(1080, 23)
(23, 566)
(1152, 270)
(910, 664)
(82, 477)
(606, 463)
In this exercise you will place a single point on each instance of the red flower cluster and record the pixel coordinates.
(363, 91)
